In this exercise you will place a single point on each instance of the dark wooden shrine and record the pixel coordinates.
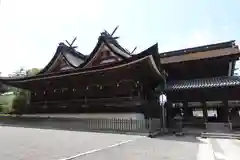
(199, 82)
(201, 85)
(109, 79)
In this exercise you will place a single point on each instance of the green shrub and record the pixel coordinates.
(4, 109)
(19, 104)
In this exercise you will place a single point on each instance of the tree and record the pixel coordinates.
(3, 88)
(22, 72)
(32, 72)
(19, 73)
(20, 102)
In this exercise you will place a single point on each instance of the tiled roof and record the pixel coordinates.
(203, 83)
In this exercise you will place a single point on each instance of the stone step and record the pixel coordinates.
(220, 135)
(217, 127)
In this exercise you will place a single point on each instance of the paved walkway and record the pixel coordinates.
(19, 143)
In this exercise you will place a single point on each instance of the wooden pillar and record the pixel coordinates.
(230, 118)
(225, 111)
(229, 113)
(169, 108)
(233, 64)
(230, 68)
(186, 110)
(205, 114)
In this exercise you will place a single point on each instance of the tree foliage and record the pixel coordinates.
(20, 102)
(32, 72)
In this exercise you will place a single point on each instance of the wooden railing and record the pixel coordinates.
(86, 124)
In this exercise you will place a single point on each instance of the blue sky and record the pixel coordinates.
(30, 30)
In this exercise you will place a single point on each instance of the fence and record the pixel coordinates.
(118, 125)
(87, 124)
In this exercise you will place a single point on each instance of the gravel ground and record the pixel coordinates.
(18, 143)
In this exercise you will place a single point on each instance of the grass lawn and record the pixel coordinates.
(6, 101)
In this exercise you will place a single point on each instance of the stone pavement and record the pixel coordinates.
(17, 143)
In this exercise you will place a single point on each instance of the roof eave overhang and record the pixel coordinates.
(146, 63)
(204, 48)
(188, 85)
(228, 53)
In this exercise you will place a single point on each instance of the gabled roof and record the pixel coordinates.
(149, 57)
(216, 46)
(74, 59)
(215, 82)
(109, 39)
(63, 50)
(106, 39)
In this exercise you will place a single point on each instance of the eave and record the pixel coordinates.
(215, 82)
(225, 57)
(88, 77)
(148, 56)
(203, 52)
(204, 48)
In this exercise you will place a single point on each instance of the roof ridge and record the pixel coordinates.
(72, 50)
(62, 47)
(113, 40)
